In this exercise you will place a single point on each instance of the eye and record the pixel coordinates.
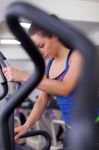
(41, 45)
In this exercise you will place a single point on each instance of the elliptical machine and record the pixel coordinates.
(5, 87)
(3, 81)
(82, 133)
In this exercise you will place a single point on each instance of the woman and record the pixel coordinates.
(62, 77)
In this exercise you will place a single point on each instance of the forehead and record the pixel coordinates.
(37, 38)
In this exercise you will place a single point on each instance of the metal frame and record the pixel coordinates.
(82, 132)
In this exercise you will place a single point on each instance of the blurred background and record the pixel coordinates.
(84, 15)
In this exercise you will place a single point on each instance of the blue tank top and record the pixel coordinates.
(65, 102)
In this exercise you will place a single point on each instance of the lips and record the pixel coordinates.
(45, 56)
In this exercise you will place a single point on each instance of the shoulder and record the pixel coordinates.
(76, 56)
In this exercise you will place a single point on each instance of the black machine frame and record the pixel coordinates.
(82, 133)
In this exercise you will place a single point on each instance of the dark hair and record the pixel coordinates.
(35, 29)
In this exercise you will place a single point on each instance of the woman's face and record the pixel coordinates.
(47, 46)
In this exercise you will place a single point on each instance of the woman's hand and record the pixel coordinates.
(19, 131)
(13, 74)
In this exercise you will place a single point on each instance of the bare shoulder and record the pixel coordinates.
(76, 56)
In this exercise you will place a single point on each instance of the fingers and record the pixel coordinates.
(19, 131)
(18, 135)
(16, 130)
(13, 74)
(6, 69)
(8, 73)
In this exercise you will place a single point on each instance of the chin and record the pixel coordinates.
(50, 57)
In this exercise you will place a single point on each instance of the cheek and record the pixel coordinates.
(50, 49)
(47, 49)
(53, 49)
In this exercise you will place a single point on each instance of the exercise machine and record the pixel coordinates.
(5, 87)
(82, 132)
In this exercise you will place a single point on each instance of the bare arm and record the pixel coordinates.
(38, 109)
(70, 81)
(53, 86)
(35, 114)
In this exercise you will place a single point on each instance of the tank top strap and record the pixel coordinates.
(67, 60)
(48, 67)
(51, 60)
(70, 52)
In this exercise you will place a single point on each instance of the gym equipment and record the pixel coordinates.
(82, 133)
(3, 81)
(4, 63)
